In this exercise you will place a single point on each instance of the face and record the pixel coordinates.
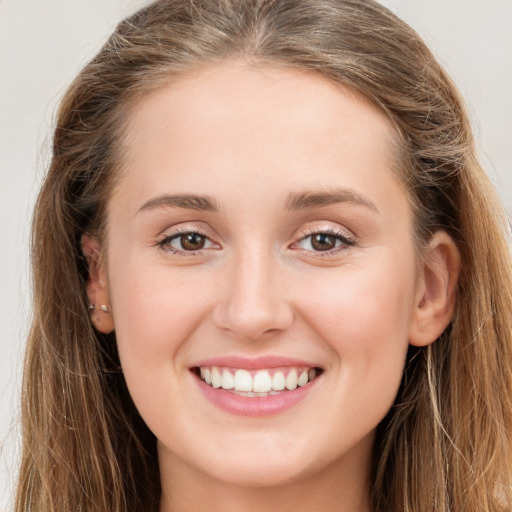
(259, 238)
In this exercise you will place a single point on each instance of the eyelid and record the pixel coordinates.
(323, 227)
(181, 229)
(347, 238)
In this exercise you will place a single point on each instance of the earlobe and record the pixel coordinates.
(97, 286)
(435, 298)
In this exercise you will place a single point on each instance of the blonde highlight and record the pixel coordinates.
(84, 445)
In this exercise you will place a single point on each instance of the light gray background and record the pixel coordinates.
(43, 44)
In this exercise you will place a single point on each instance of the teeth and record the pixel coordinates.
(216, 378)
(291, 379)
(228, 382)
(243, 380)
(303, 379)
(278, 381)
(261, 383)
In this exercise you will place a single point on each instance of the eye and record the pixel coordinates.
(324, 241)
(189, 241)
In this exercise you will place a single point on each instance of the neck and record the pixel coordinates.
(342, 486)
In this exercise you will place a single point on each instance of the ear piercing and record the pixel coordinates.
(104, 308)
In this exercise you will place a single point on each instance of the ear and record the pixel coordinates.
(97, 286)
(435, 296)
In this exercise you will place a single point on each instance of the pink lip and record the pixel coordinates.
(257, 363)
(253, 406)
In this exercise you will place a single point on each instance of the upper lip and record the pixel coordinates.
(257, 363)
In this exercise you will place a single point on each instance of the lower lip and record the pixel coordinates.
(254, 406)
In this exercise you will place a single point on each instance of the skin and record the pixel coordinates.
(248, 138)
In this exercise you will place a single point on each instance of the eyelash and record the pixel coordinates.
(340, 236)
(164, 243)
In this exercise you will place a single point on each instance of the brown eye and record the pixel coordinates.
(192, 241)
(187, 243)
(323, 242)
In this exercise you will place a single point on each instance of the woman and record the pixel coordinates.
(269, 272)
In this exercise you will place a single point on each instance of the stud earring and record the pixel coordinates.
(104, 308)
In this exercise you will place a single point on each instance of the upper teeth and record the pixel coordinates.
(260, 381)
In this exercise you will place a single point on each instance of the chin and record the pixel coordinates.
(253, 458)
(260, 473)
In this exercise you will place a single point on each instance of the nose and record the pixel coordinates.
(253, 303)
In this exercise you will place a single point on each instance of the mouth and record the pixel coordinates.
(261, 382)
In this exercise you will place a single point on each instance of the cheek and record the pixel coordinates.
(154, 310)
(154, 315)
(365, 313)
(360, 300)
(365, 320)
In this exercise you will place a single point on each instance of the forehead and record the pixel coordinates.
(251, 124)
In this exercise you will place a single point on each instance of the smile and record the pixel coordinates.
(257, 383)
(256, 387)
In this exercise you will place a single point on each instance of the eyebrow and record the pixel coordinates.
(312, 199)
(187, 201)
(295, 201)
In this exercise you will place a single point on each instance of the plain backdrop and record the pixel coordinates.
(43, 44)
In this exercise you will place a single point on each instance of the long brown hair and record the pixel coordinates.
(446, 444)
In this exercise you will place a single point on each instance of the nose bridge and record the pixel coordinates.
(253, 302)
